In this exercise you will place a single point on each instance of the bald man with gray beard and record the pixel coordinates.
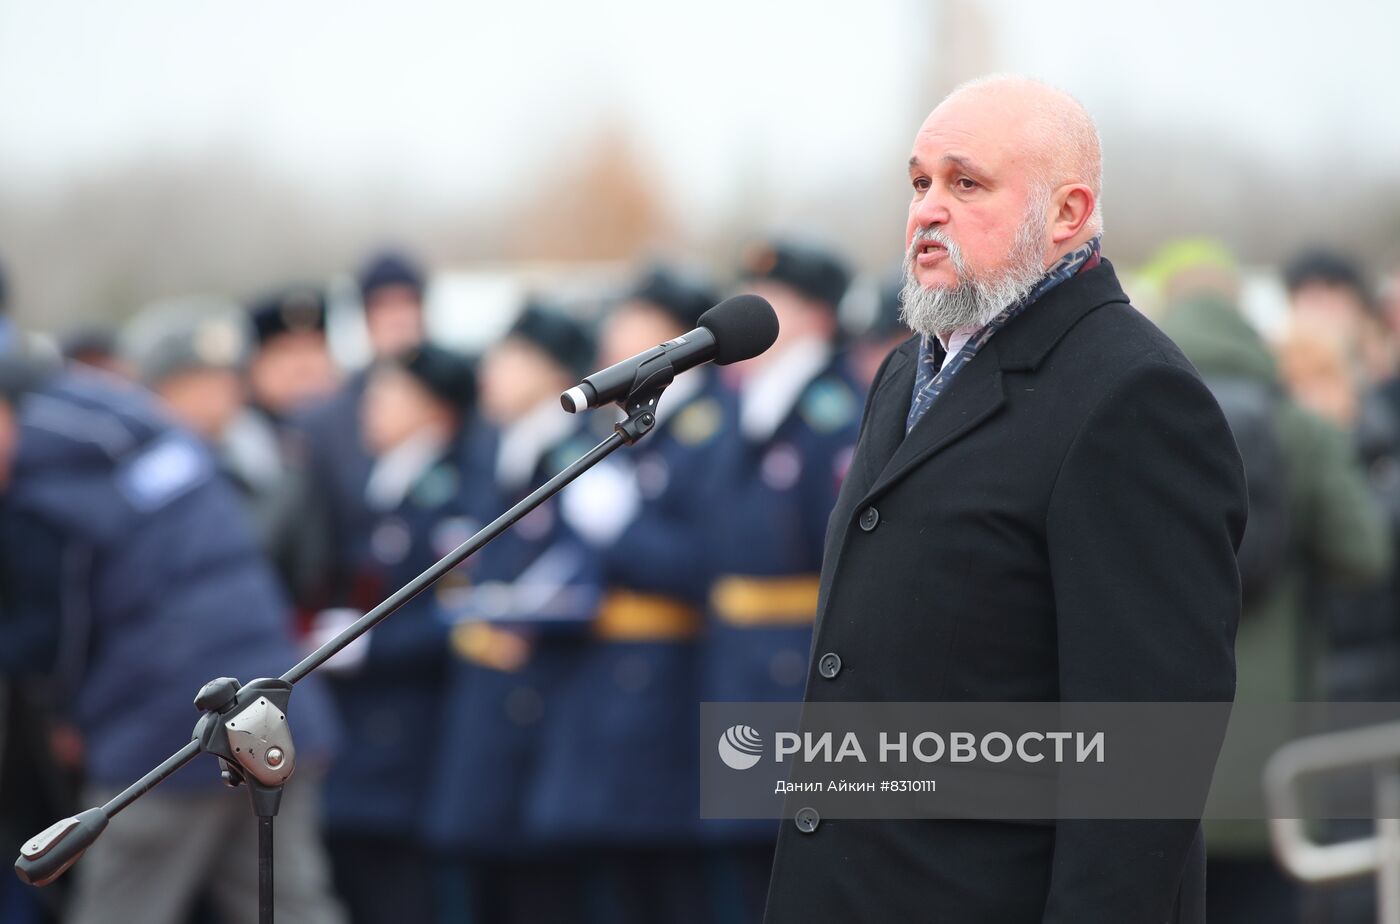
(1044, 505)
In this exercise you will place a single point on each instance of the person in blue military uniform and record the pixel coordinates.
(391, 291)
(521, 622)
(290, 368)
(619, 769)
(132, 578)
(773, 485)
(883, 331)
(388, 685)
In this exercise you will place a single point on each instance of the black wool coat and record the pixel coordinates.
(1061, 525)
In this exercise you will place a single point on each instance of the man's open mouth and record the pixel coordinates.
(930, 252)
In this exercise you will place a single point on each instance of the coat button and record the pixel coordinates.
(869, 517)
(829, 665)
(807, 820)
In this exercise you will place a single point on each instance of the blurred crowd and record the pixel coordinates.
(1315, 411)
(207, 492)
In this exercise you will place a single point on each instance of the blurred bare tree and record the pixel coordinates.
(603, 203)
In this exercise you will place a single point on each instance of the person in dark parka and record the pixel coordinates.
(133, 578)
(1050, 515)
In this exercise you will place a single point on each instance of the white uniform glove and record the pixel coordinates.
(601, 503)
(326, 625)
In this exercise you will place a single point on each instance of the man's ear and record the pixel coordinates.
(1072, 205)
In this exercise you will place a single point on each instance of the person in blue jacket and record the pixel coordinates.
(133, 578)
(388, 684)
(521, 618)
(779, 468)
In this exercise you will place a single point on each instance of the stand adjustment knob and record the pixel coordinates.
(216, 695)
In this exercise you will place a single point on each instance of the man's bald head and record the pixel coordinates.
(1054, 129)
(1006, 179)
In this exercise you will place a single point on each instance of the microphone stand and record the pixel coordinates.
(246, 726)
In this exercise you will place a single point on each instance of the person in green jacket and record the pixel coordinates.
(1334, 532)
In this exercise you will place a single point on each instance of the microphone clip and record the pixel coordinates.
(640, 406)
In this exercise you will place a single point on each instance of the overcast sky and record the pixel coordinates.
(458, 98)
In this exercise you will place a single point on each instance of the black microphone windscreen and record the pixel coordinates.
(744, 326)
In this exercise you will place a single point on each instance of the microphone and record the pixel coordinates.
(736, 329)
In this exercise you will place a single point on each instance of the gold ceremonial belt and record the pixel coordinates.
(483, 644)
(625, 616)
(789, 600)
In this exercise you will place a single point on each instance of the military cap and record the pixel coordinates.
(681, 298)
(290, 310)
(887, 321)
(186, 334)
(813, 272)
(566, 340)
(1329, 268)
(448, 375)
(389, 268)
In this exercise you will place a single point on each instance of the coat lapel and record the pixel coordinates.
(974, 395)
(889, 407)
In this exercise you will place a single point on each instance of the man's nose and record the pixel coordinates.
(930, 211)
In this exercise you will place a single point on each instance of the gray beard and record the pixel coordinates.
(976, 299)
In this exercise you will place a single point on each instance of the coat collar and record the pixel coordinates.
(1025, 344)
(976, 394)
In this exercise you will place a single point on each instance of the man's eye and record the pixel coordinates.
(921, 183)
(965, 184)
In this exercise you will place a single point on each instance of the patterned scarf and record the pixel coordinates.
(931, 380)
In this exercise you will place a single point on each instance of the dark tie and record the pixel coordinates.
(940, 355)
